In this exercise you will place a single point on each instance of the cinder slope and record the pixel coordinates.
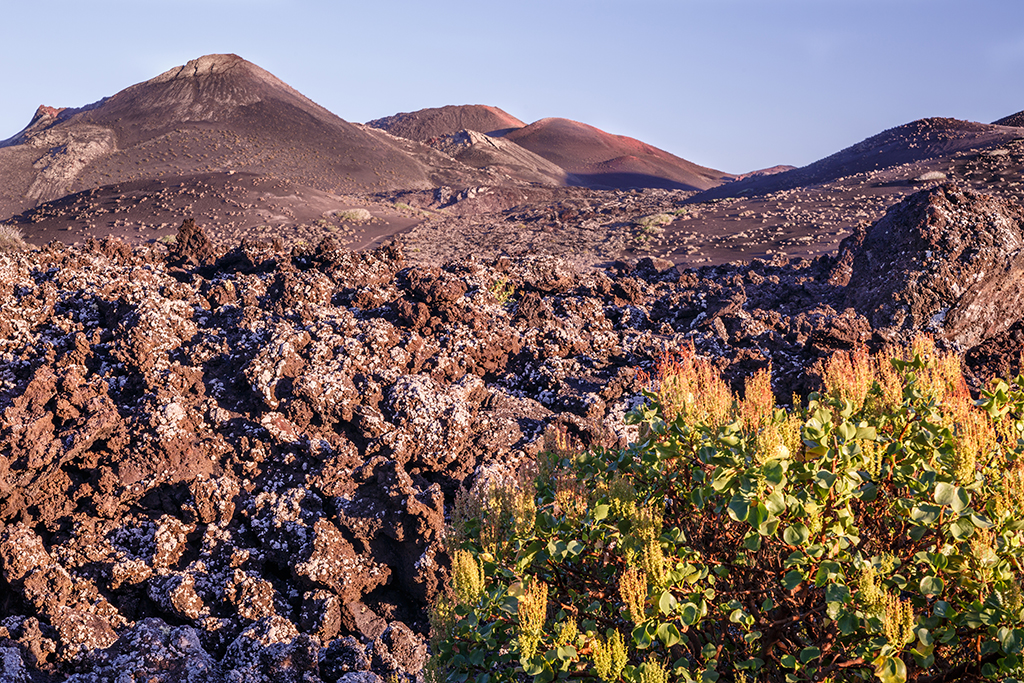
(435, 122)
(600, 159)
(501, 157)
(1016, 120)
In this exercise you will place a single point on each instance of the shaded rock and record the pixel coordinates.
(82, 633)
(945, 260)
(176, 593)
(36, 640)
(357, 618)
(154, 652)
(214, 499)
(252, 596)
(360, 677)
(28, 568)
(342, 656)
(321, 614)
(399, 651)
(12, 667)
(271, 650)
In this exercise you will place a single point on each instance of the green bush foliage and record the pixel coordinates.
(873, 533)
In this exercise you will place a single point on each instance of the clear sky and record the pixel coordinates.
(732, 84)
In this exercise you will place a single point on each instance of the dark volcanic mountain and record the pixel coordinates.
(218, 114)
(600, 159)
(425, 124)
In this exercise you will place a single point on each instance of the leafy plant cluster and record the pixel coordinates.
(503, 290)
(875, 532)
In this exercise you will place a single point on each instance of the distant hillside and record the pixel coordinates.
(425, 124)
(1011, 120)
(921, 140)
(500, 156)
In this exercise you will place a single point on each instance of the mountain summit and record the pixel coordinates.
(213, 88)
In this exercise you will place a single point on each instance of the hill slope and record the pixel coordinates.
(924, 140)
(1011, 120)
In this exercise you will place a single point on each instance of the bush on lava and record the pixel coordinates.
(876, 531)
(11, 239)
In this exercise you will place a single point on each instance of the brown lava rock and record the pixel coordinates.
(945, 260)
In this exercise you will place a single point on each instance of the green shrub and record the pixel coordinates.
(354, 216)
(655, 221)
(503, 290)
(875, 532)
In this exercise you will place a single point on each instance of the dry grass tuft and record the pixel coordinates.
(11, 239)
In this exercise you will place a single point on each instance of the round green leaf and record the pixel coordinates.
(739, 509)
(961, 529)
(925, 514)
(690, 614)
(792, 579)
(944, 493)
(667, 603)
(796, 534)
(669, 634)
(931, 586)
(961, 499)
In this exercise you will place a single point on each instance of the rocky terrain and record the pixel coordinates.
(235, 464)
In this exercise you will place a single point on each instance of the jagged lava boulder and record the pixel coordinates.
(945, 260)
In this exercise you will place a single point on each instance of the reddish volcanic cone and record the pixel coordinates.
(600, 159)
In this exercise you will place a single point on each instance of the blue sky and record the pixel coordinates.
(732, 84)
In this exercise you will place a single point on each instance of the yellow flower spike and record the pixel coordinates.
(532, 612)
(633, 591)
